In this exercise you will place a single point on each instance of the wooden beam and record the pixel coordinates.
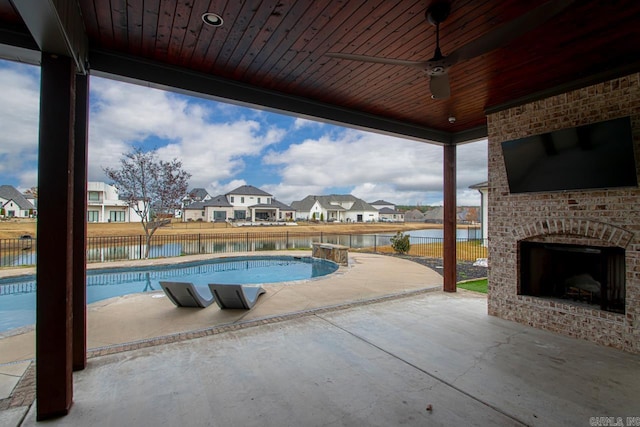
(165, 77)
(630, 67)
(57, 27)
(449, 225)
(469, 135)
(54, 296)
(18, 46)
(80, 223)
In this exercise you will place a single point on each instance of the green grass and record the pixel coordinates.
(476, 286)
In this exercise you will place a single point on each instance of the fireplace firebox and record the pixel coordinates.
(589, 275)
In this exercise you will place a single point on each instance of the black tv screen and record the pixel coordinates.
(598, 155)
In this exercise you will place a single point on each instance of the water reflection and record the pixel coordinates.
(133, 248)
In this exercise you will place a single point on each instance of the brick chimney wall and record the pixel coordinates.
(598, 218)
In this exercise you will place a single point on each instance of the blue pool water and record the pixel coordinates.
(18, 294)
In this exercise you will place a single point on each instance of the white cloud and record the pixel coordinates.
(471, 164)
(375, 167)
(28, 178)
(19, 110)
(216, 188)
(287, 192)
(371, 192)
(349, 158)
(125, 115)
(468, 197)
(300, 123)
(218, 142)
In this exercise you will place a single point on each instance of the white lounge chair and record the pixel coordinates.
(185, 294)
(236, 296)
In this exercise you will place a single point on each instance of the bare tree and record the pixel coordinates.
(33, 191)
(153, 188)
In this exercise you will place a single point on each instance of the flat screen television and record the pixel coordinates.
(595, 156)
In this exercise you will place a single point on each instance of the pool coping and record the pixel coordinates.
(154, 262)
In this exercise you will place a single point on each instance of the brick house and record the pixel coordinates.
(13, 204)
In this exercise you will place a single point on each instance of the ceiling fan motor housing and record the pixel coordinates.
(437, 12)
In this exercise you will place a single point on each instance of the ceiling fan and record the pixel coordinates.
(437, 67)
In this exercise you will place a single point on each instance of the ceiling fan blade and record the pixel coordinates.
(509, 31)
(439, 85)
(376, 59)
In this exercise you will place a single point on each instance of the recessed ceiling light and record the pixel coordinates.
(212, 19)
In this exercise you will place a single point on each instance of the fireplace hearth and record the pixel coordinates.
(588, 275)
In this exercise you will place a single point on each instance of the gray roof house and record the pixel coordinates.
(259, 205)
(199, 194)
(379, 204)
(248, 190)
(245, 203)
(13, 203)
(335, 207)
(286, 212)
(435, 215)
(213, 209)
(414, 215)
(387, 211)
(195, 195)
(246, 199)
(275, 210)
(390, 215)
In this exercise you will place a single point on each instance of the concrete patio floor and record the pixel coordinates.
(428, 358)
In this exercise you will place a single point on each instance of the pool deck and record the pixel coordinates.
(377, 343)
(151, 316)
(148, 319)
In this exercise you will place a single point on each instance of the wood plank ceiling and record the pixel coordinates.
(281, 46)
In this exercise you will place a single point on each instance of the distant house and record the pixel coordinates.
(196, 195)
(483, 188)
(464, 215)
(468, 215)
(434, 215)
(414, 215)
(212, 209)
(245, 203)
(31, 198)
(335, 207)
(251, 203)
(13, 204)
(379, 204)
(285, 212)
(104, 204)
(387, 211)
(390, 215)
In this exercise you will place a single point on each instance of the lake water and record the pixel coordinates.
(438, 233)
(219, 244)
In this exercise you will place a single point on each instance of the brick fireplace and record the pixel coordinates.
(567, 261)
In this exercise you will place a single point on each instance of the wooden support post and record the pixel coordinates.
(54, 273)
(449, 223)
(80, 223)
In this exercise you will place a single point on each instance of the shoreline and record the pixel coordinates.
(16, 228)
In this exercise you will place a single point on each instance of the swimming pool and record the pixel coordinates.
(18, 294)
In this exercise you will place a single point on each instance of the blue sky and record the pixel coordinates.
(224, 146)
